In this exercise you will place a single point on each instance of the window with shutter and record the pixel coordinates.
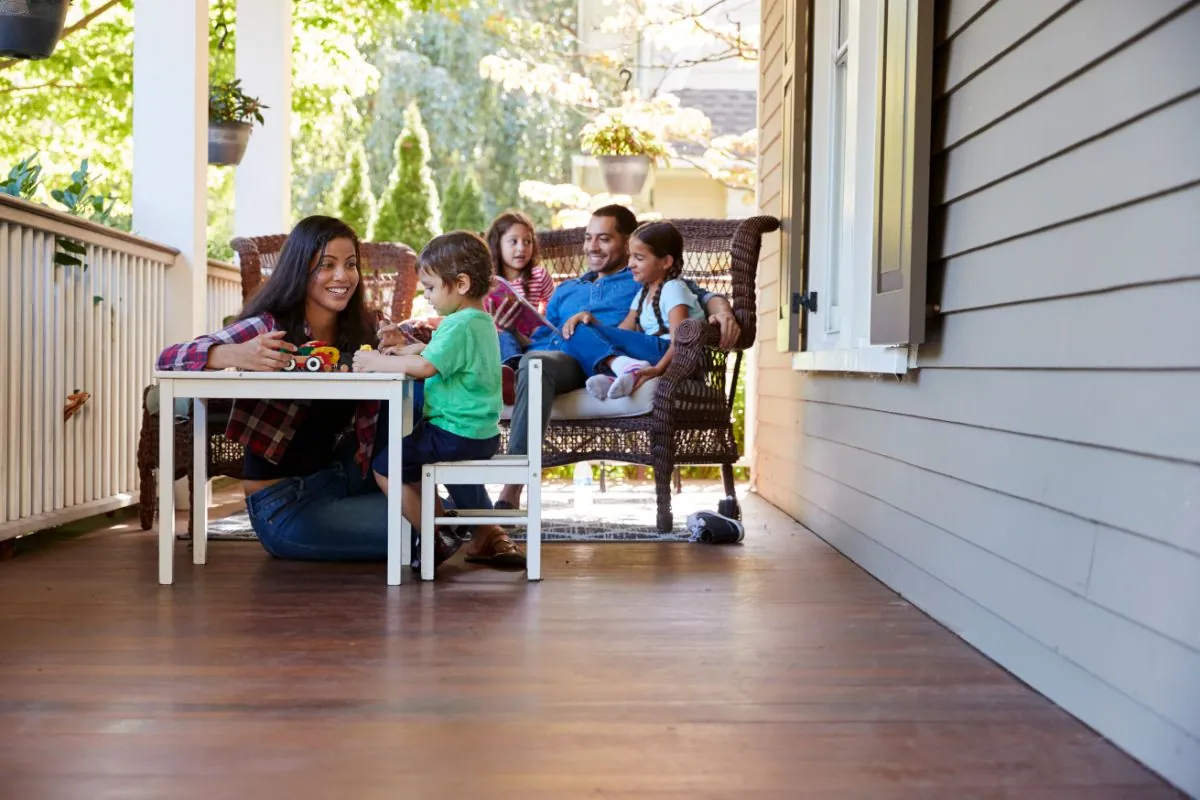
(797, 77)
(856, 212)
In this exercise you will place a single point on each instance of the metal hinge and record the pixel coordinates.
(807, 300)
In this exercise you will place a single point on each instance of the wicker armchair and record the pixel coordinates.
(388, 272)
(224, 455)
(691, 421)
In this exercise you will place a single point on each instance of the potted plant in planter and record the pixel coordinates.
(231, 116)
(30, 29)
(624, 149)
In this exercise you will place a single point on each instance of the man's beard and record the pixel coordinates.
(620, 261)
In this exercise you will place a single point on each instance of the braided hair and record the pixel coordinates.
(500, 226)
(663, 239)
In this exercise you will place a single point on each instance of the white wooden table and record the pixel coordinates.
(203, 386)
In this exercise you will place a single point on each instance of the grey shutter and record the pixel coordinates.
(797, 94)
(902, 182)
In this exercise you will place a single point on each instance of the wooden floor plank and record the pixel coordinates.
(773, 669)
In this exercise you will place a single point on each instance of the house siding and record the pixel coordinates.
(1035, 483)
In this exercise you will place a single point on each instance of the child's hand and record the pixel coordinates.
(369, 361)
(506, 314)
(582, 318)
(414, 349)
(645, 375)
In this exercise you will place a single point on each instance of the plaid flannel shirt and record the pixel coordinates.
(265, 427)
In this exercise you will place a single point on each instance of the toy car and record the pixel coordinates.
(314, 356)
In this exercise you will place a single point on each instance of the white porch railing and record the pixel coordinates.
(224, 293)
(65, 328)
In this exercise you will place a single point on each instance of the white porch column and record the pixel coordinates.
(170, 148)
(264, 65)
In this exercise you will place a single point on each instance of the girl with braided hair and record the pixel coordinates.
(619, 360)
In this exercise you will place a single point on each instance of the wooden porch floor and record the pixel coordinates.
(773, 670)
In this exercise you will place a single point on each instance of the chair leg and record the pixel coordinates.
(148, 497)
(678, 478)
(428, 528)
(662, 487)
(533, 528)
(727, 479)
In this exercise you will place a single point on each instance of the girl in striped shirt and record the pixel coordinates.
(515, 258)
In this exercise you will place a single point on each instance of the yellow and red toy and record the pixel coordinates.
(314, 356)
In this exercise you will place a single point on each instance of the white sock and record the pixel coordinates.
(626, 370)
(598, 386)
(622, 364)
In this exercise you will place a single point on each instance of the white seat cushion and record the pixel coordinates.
(581, 405)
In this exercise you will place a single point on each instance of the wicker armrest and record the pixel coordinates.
(696, 342)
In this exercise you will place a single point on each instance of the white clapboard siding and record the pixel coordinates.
(1035, 483)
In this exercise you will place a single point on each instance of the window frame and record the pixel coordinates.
(876, 197)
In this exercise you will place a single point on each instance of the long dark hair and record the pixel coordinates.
(500, 226)
(285, 291)
(663, 239)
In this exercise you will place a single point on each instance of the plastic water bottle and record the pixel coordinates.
(582, 483)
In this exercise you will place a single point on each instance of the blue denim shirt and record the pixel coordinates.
(607, 297)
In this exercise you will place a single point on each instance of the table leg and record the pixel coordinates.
(166, 480)
(406, 428)
(395, 518)
(200, 480)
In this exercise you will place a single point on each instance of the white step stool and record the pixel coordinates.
(525, 470)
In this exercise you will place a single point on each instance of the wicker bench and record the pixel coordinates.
(689, 419)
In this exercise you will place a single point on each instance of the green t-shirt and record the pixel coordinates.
(464, 396)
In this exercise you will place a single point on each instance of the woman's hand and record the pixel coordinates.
(646, 374)
(267, 352)
(582, 318)
(393, 335)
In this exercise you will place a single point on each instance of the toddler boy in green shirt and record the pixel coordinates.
(461, 370)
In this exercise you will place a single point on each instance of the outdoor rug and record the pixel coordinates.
(625, 513)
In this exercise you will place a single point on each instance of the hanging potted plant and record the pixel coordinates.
(231, 116)
(624, 149)
(30, 29)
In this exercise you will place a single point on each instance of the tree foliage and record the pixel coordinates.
(433, 58)
(354, 202)
(652, 39)
(78, 103)
(462, 204)
(408, 209)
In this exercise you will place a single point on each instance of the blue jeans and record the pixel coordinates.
(510, 349)
(337, 513)
(592, 345)
(331, 515)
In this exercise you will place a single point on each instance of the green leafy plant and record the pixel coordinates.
(23, 179)
(228, 103)
(78, 196)
(611, 134)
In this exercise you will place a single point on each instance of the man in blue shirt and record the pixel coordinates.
(606, 291)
